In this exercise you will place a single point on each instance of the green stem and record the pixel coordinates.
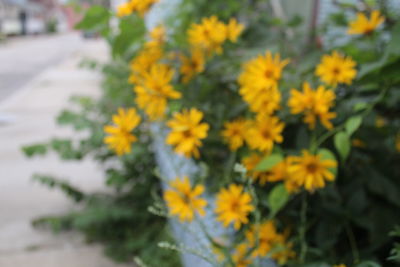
(353, 244)
(303, 227)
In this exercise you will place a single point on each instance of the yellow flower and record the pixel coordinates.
(233, 205)
(142, 6)
(358, 143)
(235, 132)
(397, 141)
(380, 122)
(339, 265)
(209, 35)
(240, 256)
(183, 200)
(120, 137)
(277, 173)
(192, 65)
(124, 9)
(157, 36)
(265, 131)
(263, 71)
(233, 30)
(361, 25)
(155, 90)
(269, 239)
(336, 68)
(314, 104)
(187, 132)
(142, 63)
(263, 100)
(310, 171)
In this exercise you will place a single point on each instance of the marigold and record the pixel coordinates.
(155, 90)
(363, 25)
(233, 30)
(233, 205)
(183, 200)
(265, 131)
(209, 35)
(314, 104)
(240, 256)
(310, 171)
(336, 68)
(187, 132)
(235, 132)
(192, 65)
(120, 137)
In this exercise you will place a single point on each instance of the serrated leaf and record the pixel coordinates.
(277, 198)
(269, 162)
(352, 124)
(342, 144)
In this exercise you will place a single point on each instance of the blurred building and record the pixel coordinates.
(29, 16)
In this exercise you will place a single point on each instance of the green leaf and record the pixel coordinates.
(132, 29)
(33, 150)
(342, 144)
(96, 18)
(277, 198)
(352, 124)
(269, 162)
(360, 106)
(328, 155)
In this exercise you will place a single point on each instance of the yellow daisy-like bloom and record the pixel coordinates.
(233, 205)
(209, 35)
(157, 36)
(235, 132)
(192, 65)
(240, 256)
(315, 104)
(263, 72)
(268, 239)
(183, 200)
(263, 100)
(363, 25)
(124, 9)
(142, 6)
(142, 63)
(310, 171)
(277, 173)
(155, 90)
(187, 132)
(233, 30)
(120, 137)
(336, 68)
(265, 131)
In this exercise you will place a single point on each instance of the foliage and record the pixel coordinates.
(342, 221)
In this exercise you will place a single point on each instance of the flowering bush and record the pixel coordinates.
(299, 140)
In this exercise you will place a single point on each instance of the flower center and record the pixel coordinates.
(312, 167)
(266, 133)
(268, 74)
(336, 71)
(187, 133)
(234, 206)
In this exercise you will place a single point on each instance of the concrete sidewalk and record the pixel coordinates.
(29, 119)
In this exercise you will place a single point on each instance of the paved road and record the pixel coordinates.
(24, 58)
